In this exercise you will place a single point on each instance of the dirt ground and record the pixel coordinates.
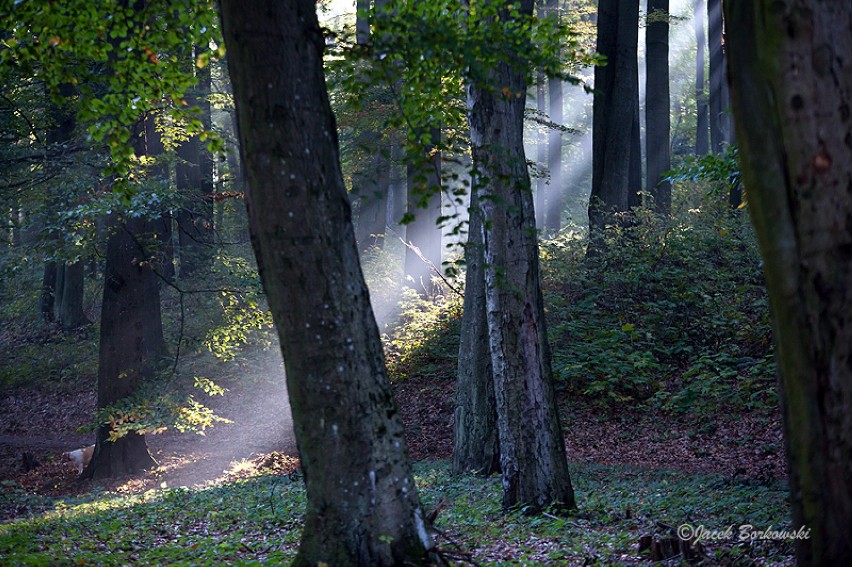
(44, 425)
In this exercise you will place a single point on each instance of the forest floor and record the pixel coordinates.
(45, 423)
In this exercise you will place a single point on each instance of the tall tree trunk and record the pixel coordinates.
(423, 235)
(702, 143)
(791, 86)
(71, 314)
(476, 445)
(718, 85)
(194, 177)
(47, 300)
(130, 343)
(541, 149)
(161, 236)
(363, 507)
(657, 112)
(64, 121)
(532, 449)
(616, 166)
(556, 192)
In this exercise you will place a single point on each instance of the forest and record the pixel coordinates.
(375, 283)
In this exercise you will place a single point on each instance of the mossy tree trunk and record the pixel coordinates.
(532, 450)
(363, 507)
(791, 84)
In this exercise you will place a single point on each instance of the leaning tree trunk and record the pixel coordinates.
(532, 450)
(363, 508)
(791, 86)
(476, 445)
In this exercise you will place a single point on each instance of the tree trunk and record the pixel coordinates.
(62, 131)
(702, 143)
(556, 193)
(130, 343)
(791, 86)
(541, 151)
(371, 188)
(476, 445)
(532, 450)
(657, 112)
(616, 166)
(423, 235)
(719, 135)
(48, 291)
(71, 314)
(363, 507)
(194, 177)
(160, 238)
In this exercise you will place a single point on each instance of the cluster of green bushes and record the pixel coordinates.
(670, 312)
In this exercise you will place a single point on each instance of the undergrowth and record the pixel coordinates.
(674, 314)
(256, 521)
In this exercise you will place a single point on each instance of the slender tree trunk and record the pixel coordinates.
(161, 236)
(791, 86)
(615, 141)
(556, 192)
(718, 85)
(194, 177)
(541, 150)
(59, 287)
(702, 126)
(423, 235)
(657, 112)
(47, 300)
(476, 445)
(532, 449)
(363, 507)
(62, 131)
(71, 314)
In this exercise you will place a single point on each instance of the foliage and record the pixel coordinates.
(426, 338)
(259, 521)
(672, 313)
(122, 61)
(719, 172)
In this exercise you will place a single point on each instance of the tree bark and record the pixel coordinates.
(702, 142)
(130, 343)
(532, 450)
(657, 112)
(363, 508)
(476, 445)
(791, 86)
(616, 169)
